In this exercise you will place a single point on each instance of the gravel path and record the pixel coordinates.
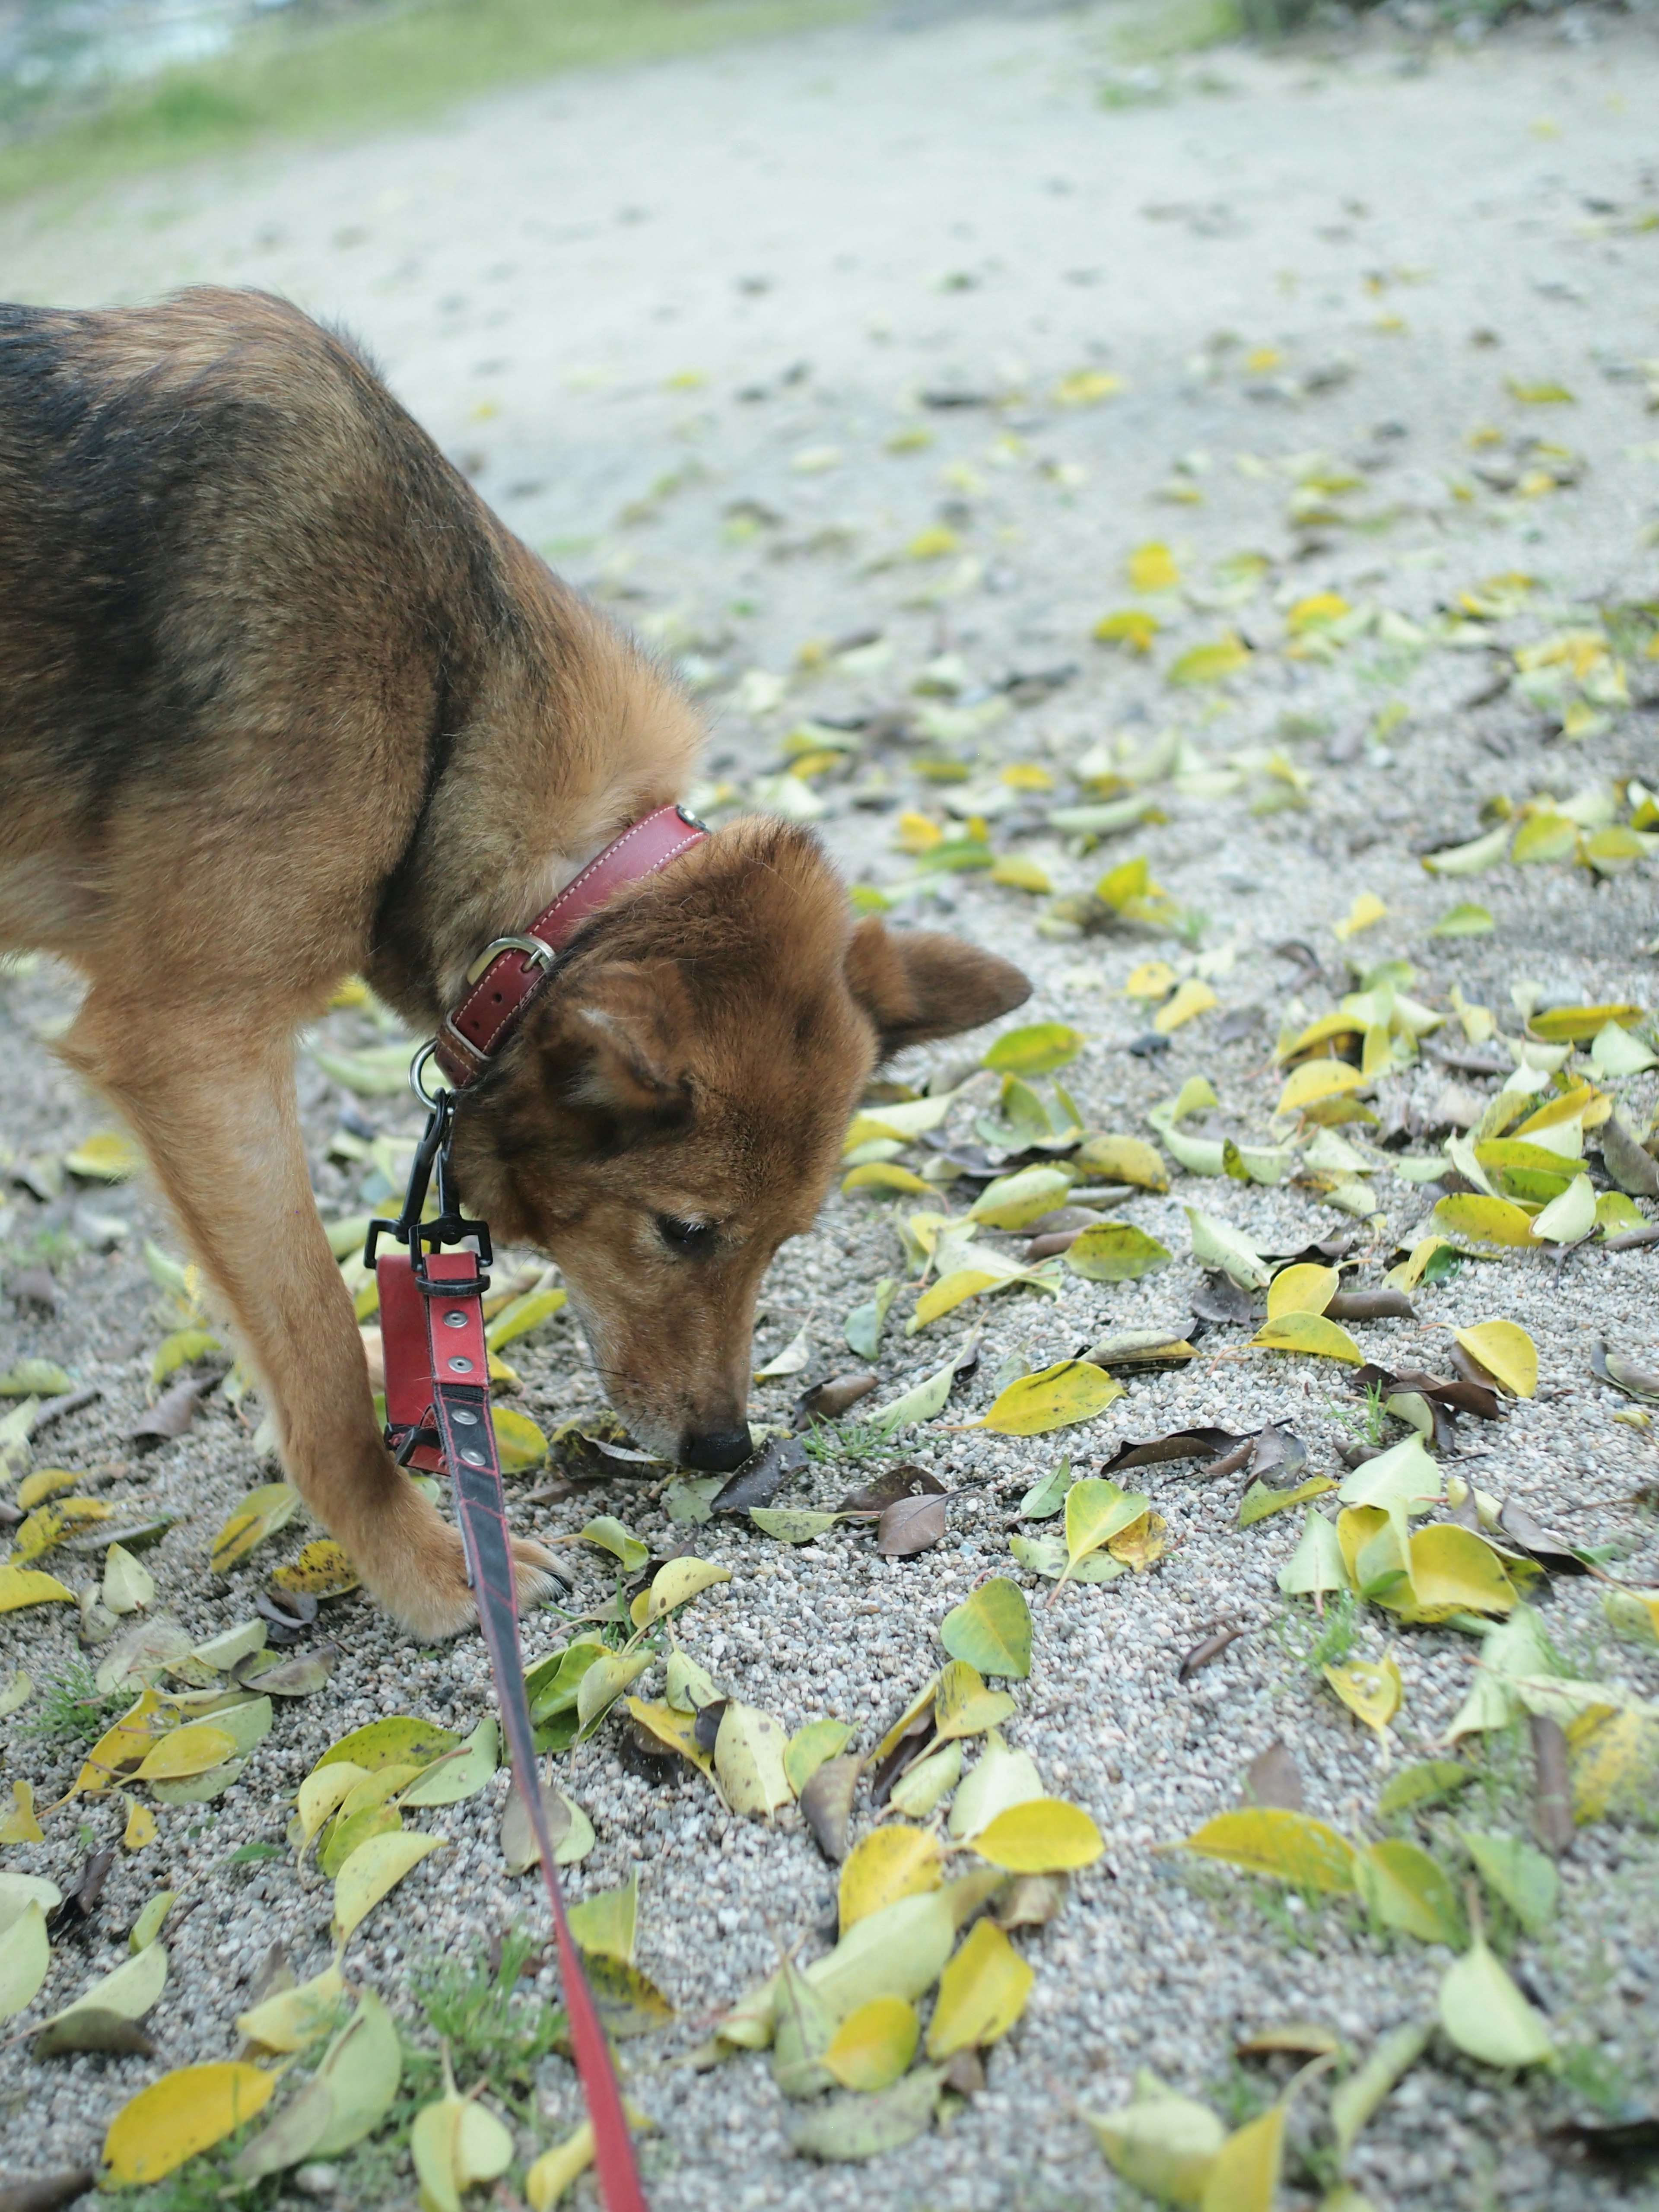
(801, 355)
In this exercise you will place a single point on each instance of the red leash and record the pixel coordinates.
(433, 1331)
(437, 1382)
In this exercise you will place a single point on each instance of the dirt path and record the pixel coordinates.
(807, 356)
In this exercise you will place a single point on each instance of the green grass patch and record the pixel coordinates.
(400, 65)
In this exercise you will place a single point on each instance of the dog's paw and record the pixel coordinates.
(537, 1573)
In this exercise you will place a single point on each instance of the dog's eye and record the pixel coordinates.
(693, 1238)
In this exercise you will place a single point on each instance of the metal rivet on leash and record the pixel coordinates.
(462, 1419)
(473, 1456)
(460, 1366)
(454, 1321)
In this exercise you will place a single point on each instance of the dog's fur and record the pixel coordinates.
(281, 701)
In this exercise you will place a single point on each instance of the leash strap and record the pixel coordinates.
(445, 1365)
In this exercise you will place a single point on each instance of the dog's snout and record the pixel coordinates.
(718, 1450)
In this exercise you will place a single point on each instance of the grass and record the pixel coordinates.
(398, 65)
(74, 1710)
(1317, 1642)
(496, 2033)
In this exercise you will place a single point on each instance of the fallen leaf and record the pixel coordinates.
(1162, 2143)
(1056, 1397)
(1216, 1245)
(321, 1568)
(1036, 1050)
(1289, 1847)
(1373, 1693)
(1484, 2015)
(1244, 2175)
(22, 1586)
(1124, 1159)
(826, 1803)
(1273, 1779)
(260, 1513)
(1354, 2101)
(891, 1862)
(910, 1525)
(1402, 1887)
(749, 1760)
(25, 1957)
(1041, 1835)
(1309, 1332)
(1520, 1875)
(874, 2046)
(1115, 1252)
(982, 1992)
(185, 2112)
(991, 1629)
(858, 2127)
(373, 1870)
(1505, 1352)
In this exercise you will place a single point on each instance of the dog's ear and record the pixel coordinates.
(917, 984)
(616, 1044)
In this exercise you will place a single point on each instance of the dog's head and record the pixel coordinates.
(673, 1108)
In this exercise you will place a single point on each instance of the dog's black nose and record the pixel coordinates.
(719, 1450)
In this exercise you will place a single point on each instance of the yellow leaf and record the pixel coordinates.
(874, 2045)
(110, 1157)
(19, 1825)
(883, 1175)
(1302, 1289)
(1454, 1568)
(1192, 999)
(933, 545)
(519, 1442)
(373, 1869)
(1044, 1835)
(1131, 626)
(1086, 387)
(1476, 1220)
(1243, 2176)
(981, 1993)
(20, 1586)
(891, 1862)
(1545, 394)
(121, 1746)
(1373, 1692)
(1576, 1025)
(1054, 1398)
(1211, 664)
(1309, 1332)
(1506, 1352)
(185, 1751)
(916, 833)
(680, 1580)
(320, 1569)
(141, 1827)
(184, 2113)
(1142, 1543)
(25, 1959)
(1153, 979)
(1152, 568)
(1316, 1080)
(1318, 611)
(293, 2020)
(1021, 873)
(1289, 1846)
(260, 1513)
(1366, 909)
(1125, 1159)
(44, 1483)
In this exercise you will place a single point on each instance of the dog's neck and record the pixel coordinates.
(575, 745)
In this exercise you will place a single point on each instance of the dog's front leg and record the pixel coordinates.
(219, 1122)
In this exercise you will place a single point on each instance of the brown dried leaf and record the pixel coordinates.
(905, 1481)
(829, 1400)
(910, 1525)
(1551, 1785)
(761, 1477)
(827, 1804)
(1178, 1444)
(173, 1413)
(1273, 1778)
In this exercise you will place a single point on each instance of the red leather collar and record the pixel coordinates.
(511, 969)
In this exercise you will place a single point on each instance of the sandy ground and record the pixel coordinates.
(691, 328)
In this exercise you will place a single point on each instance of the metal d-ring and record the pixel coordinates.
(416, 1066)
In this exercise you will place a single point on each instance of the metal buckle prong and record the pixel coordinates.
(539, 955)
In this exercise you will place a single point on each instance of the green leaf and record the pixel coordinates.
(1354, 2101)
(810, 1746)
(519, 1443)
(1036, 1050)
(1046, 1498)
(1164, 2144)
(1526, 1881)
(991, 1629)
(1428, 1782)
(921, 1402)
(1097, 1510)
(792, 1524)
(863, 1326)
(611, 1535)
(1216, 1245)
(1289, 1847)
(524, 1314)
(1056, 1397)
(749, 1760)
(398, 1741)
(1115, 1252)
(1464, 919)
(1486, 2015)
(856, 2127)
(1403, 1887)
(25, 1955)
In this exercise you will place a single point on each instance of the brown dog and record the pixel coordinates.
(281, 701)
